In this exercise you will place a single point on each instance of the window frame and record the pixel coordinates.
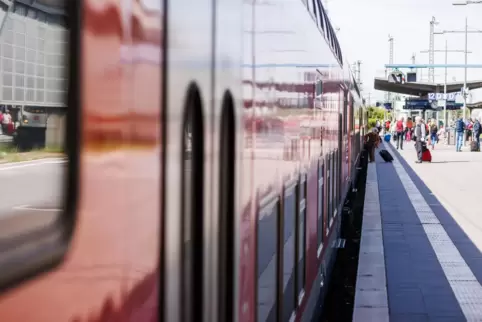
(28, 255)
(300, 257)
(290, 189)
(264, 205)
(320, 206)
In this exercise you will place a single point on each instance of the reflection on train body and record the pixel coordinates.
(211, 146)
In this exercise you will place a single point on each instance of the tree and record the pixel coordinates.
(374, 114)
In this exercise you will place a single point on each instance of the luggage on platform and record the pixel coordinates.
(387, 137)
(426, 154)
(386, 156)
(473, 146)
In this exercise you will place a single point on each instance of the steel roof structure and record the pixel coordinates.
(422, 88)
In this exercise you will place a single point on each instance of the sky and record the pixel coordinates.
(365, 26)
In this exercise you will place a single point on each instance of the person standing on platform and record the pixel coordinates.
(459, 134)
(378, 125)
(399, 132)
(420, 134)
(372, 139)
(477, 130)
(409, 130)
(433, 133)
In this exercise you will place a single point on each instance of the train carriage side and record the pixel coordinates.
(212, 210)
(293, 198)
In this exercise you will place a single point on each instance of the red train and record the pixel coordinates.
(211, 145)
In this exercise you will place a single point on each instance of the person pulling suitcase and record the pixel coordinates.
(420, 134)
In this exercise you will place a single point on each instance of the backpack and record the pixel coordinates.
(460, 126)
(433, 129)
(399, 126)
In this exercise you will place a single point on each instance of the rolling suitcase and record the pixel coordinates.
(386, 156)
(473, 146)
(426, 156)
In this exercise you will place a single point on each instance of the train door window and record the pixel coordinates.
(289, 251)
(320, 225)
(267, 259)
(301, 238)
(192, 209)
(226, 210)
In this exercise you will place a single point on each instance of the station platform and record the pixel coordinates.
(420, 257)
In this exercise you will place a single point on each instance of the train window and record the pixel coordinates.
(226, 210)
(318, 14)
(312, 8)
(323, 18)
(301, 238)
(267, 259)
(332, 38)
(345, 112)
(339, 52)
(321, 190)
(332, 190)
(289, 251)
(319, 87)
(336, 179)
(37, 217)
(192, 208)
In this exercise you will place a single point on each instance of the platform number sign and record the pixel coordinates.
(441, 96)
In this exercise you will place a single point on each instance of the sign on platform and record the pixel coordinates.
(442, 96)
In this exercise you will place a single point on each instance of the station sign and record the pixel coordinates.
(443, 96)
(421, 104)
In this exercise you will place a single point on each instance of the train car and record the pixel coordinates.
(211, 146)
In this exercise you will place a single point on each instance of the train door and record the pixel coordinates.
(188, 159)
(345, 147)
(227, 87)
(339, 164)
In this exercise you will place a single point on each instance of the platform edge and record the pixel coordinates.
(371, 300)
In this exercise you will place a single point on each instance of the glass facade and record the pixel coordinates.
(33, 59)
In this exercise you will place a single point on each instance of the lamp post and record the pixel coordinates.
(446, 51)
(465, 3)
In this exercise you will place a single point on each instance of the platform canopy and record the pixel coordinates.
(475, 105)
(422, 88)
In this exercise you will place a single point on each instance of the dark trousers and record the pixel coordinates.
(371, 152)
(400, 138)
(418, 148)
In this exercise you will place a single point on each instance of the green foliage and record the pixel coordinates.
(371, 123)
(376, 113)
